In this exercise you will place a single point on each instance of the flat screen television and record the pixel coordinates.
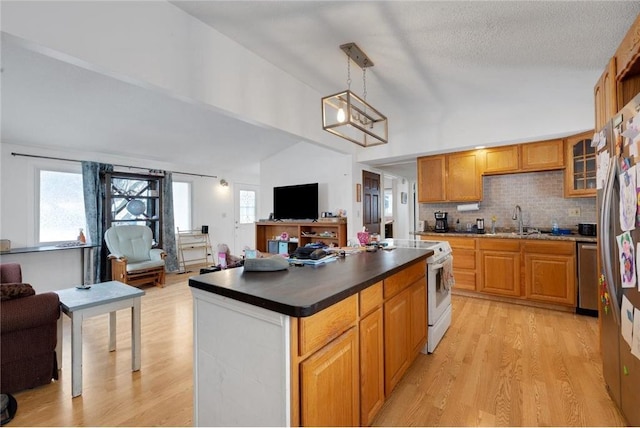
(299, 202)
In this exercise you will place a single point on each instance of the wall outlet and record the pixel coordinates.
(574, 212)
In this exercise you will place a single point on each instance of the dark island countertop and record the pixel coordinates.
(302, 291)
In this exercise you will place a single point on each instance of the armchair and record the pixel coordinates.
(28, 333)
(133, 261)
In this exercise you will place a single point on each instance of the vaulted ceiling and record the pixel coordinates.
(438, 65)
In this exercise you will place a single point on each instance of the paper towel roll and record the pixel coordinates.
(469, 207)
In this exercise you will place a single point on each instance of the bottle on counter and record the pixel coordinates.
(554, 228)
(81, 237)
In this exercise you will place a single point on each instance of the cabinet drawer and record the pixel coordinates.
(370, 298)
(465, 280)
(401, 280)
(500, 244)
(464, 259)
(468, 243)
(321, 328)
(550, 247)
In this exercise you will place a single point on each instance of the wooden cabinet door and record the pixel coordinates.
(500, 267)
(500, 160)
(550, 272)
(329, 384)
(418, 321)
(605, 96)
(431, 179)
(464, 176)
(371, 366)
(580, 174)
(396, 339)
(542, 156)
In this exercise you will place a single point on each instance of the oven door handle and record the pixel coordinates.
(436, 266)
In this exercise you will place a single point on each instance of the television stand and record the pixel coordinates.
(307, 231)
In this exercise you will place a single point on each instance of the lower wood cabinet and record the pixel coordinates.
(329, 384)
(371, 366)
(405, 331)
(550, 272)
(500, 266)
(396, 339)
(348, 357)
(418, 322)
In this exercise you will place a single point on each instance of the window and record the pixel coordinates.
(388, 203)
(61, 206)
(182, 205)
(247, 206)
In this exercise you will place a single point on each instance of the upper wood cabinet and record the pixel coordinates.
(454, 177)
(627, 63)
(501, 160)
(464, 176)
(580, 174)
(431, 178)
(605, 96)
(543, 155)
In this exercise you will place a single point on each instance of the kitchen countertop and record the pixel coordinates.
(305, 290)
(512, 235)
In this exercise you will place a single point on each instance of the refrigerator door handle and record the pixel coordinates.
(605, 228)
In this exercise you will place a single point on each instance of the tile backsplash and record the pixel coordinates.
(539, 194)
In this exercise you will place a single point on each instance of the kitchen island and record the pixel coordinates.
(319, 345)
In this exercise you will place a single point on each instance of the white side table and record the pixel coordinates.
(101, 298)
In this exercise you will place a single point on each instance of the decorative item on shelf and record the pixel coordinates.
(5, 245)
(284, 236)
(349, 116)
(135, 207)
(81, 237)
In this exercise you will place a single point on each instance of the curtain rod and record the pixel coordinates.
(122, 166)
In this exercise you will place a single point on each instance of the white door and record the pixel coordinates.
(246, 209)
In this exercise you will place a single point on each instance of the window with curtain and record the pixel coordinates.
(182, 205)
(60, 210)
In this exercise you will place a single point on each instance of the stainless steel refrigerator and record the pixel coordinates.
(621, 369)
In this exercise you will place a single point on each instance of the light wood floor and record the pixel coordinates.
(499, 365)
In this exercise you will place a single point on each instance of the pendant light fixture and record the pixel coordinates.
(349, 116)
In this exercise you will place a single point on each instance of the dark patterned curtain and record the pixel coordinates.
(94, 197)
(168, 227)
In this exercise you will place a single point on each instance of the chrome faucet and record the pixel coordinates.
(517, 215)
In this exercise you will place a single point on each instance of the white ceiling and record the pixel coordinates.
(425, 53)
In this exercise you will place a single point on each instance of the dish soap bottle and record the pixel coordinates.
(554, 228)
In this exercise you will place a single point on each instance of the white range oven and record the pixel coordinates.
(438, 294)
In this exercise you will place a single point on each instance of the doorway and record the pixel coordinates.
(245, 211)
(371, 218)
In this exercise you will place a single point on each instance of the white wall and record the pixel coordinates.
(212, 205)
(308, 163)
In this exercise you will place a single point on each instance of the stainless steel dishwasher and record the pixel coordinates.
(587, 279)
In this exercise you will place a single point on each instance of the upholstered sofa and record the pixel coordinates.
(28, 333)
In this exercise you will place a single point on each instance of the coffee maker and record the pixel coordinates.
(441, 222)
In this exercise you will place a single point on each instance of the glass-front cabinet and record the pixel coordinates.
(580, 173)
(134, 199)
